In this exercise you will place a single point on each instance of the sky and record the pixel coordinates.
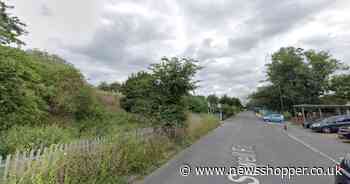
(232, 39)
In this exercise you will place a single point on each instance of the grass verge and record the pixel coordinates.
(116, 162)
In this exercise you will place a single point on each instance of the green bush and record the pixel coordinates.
(87, 105)
(196, 104)
(35, 85)
(24, 138)
(19, 100)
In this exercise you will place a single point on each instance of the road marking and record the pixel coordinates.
(312, 148)
(246, 157)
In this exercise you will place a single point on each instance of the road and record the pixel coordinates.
(246, 139)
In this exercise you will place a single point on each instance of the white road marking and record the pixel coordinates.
(311, 148)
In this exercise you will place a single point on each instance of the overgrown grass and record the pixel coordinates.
(199, 125)
(110, 163)
(115, 162)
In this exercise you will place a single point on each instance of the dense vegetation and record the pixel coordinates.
(159, 95)
(229, 105)
(45, 100)
(297, 76)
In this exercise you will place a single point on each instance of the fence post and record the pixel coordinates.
(1, 165)
(7, 165)
(21, 163)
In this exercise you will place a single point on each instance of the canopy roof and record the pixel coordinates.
(321, 106)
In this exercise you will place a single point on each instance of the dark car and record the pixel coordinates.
(331, 124)
(344, 167)
(344, 132)
(308, 123)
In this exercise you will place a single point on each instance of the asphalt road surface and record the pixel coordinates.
(245, 139)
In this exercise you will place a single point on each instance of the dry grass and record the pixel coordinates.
(110, 100)
(199, 125)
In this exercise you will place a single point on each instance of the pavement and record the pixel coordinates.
(246, 139)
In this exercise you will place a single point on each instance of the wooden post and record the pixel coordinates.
(15, 166)
(7, 166)
(1, 166)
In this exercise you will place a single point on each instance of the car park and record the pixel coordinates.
(274, 117)
(308, 123)
(344, 167)
(331, 124)
(344, 132)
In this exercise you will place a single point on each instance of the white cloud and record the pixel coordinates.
(110, 39)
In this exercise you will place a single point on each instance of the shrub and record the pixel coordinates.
(88, 106)
(19, 100)
(35, 84)
(197, 104)
(24, 138)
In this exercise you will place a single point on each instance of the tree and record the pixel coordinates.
(298, 76)
(197, 104)
(213, 101)
(159, 95)
(10, 27)
(340, 85)
(230, 105)
(231, 101)
(174, 79)
(103, 86)
(139, 95)
(266, 96)
(115, 86)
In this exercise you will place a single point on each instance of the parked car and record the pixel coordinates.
(344, 168)
(274, 117)
(331, 124)
(308, 123)
(344, 132)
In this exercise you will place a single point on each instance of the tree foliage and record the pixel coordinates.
(340, 85)
(113, 87)
(139, 94)
(159, 94)
(296, 76)
(35, 85)
(197, 104)
(10, 26)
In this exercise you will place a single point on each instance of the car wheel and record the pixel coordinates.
(326, 130)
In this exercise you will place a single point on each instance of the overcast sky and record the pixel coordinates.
(110, 39)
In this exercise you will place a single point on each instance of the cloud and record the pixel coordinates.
(110, 39)
(127, 40)
(45, 10)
